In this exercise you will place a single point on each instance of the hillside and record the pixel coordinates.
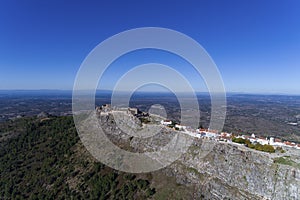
(44, 159)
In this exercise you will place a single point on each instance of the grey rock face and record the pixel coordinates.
(235, 172)
(220, 170)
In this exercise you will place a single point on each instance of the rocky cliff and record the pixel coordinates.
(219, 170)
(235, 172)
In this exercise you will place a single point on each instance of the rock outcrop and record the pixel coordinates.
(235, 172)
(220, 170)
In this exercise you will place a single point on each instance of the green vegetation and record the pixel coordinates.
(285, 160)
(172, 125)
(44, 159)
(170, 189)
(280, 149)
(193, 170)
(144, 120)
(259, 147)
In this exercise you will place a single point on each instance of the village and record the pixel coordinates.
(230, 137)
(251, 141)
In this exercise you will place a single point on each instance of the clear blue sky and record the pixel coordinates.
(255, 44)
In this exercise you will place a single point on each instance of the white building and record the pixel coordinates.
(252, 140)
(225, 134)
(180, 127)
(262, 141)
(166, 122)
(210, 134)
(272, 141)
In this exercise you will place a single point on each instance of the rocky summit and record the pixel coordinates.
(215, 170)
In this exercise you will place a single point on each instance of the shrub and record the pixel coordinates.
(259, 147)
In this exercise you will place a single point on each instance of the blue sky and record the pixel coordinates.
(255, 44)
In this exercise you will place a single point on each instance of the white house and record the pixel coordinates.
(166, 122)
(180, 127)
(262, 141)
(211, 134)
(272, 141)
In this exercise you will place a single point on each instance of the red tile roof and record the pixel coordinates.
(278, 140)
(289, 144)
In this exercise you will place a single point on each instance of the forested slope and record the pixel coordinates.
(44, 159)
